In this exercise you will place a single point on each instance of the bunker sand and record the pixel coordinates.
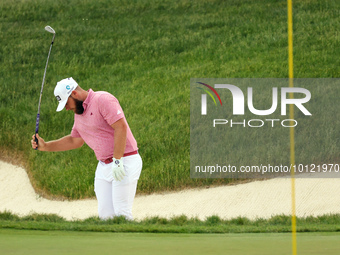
(258, 199)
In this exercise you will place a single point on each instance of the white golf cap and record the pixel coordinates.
(63, 90)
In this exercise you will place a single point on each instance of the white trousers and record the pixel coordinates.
(116, 198)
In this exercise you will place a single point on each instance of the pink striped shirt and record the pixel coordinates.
(101, 110)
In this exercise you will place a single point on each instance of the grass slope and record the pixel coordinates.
(144, 52)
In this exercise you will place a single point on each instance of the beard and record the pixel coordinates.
(79, 106)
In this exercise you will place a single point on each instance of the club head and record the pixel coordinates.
(49, 29)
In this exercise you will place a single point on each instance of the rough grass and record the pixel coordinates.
(177, 224)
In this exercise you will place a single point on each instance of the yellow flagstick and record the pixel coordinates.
(291, 116)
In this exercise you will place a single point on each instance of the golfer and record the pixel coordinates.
(99, 121)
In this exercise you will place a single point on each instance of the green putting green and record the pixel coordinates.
(61, 242)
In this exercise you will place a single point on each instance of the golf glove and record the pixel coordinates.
(118, 170)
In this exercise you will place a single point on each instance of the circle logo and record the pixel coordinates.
(68, 87)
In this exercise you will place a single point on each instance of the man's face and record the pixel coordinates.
(74, 105)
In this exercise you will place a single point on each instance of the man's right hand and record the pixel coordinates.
(41, 143)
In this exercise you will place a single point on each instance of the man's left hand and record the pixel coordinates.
(118, 170)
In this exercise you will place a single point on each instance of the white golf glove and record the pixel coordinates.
(118, 170)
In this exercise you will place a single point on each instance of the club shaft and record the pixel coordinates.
(42, 87)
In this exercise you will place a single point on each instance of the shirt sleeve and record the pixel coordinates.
(74, 132)
(110, 108)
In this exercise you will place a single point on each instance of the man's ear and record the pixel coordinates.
(74, 94)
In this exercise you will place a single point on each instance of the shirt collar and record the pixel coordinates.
(88, 99)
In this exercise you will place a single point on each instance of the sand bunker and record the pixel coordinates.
(258, 199)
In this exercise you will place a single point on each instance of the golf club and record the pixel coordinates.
(51, 30)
